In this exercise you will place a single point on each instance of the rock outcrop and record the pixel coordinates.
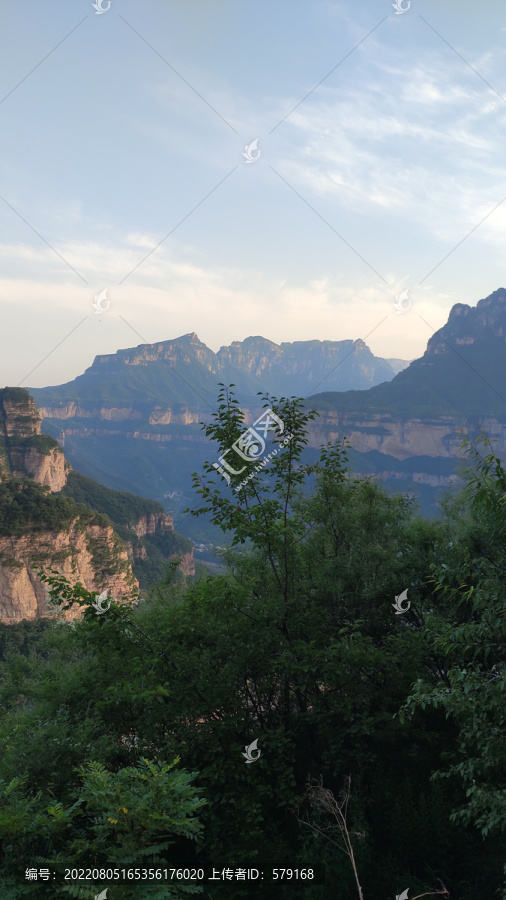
(187, 564)
(95, 557)
(403, 439)
(24, 452)
(151, 524)
(39, 530)
(157, 524)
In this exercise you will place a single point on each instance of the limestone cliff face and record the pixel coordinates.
(136, 552)
(95, 557)
(39, 531)
(414, 437)
(45, 468)
(24, 452)
(152, 523)
(73, 410)
(160, 415)
(166, 416)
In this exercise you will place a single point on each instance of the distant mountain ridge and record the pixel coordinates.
(133, 420)
(188, 372)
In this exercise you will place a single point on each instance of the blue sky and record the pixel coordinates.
(134, 125)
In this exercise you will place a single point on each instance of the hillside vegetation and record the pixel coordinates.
(29, 507)
(124, 511)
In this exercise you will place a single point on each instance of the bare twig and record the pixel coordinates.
(442, 893)
(323, 799)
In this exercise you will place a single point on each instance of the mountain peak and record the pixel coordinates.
(462, 371)
(470, 324)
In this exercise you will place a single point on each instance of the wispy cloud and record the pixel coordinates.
(425, 146)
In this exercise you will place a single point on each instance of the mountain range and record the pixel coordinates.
(133, 420)
(185, 371)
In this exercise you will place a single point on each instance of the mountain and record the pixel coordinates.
(133, 420)
(398, 364)
(458, 387)
(136, 383)
(300, 367)
(52, 517)
(462, 372)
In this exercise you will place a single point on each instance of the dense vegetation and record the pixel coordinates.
(41, 442)
(16, 395)
(381, 736)
(121, 507)
(26, 506)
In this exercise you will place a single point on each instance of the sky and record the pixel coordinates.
(376, 167)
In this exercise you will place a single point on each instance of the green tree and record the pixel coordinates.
(115, 820)
(467, 630)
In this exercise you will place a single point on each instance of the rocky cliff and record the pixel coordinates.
(41, 529)
(151, 523)
(147, 531)
(94, 557)
(457, 388)
(440, 437)
(23, 450)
